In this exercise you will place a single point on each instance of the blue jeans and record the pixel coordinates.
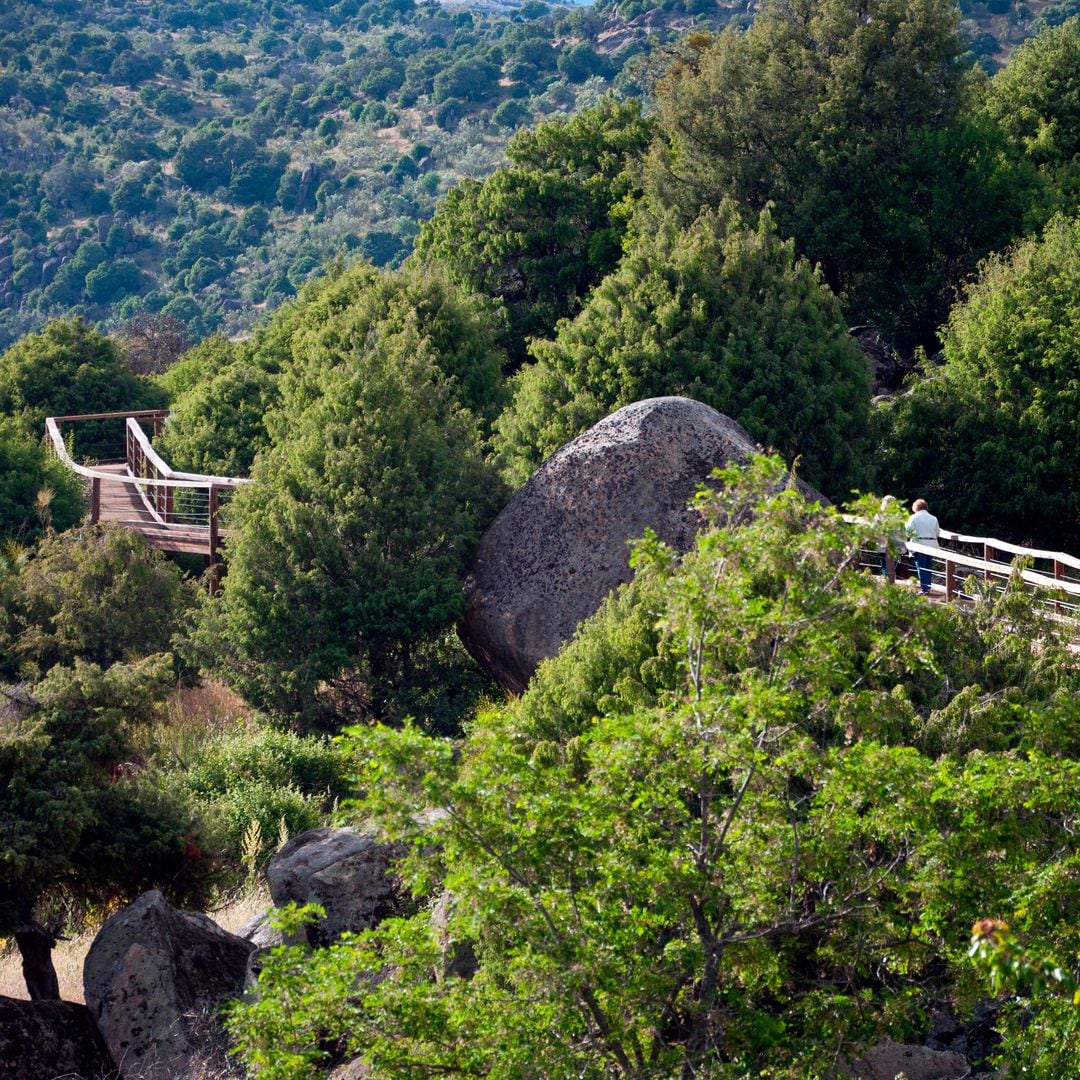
(923, 563)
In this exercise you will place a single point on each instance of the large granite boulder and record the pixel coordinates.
(346, 871)
(42, 1040)
(152, 980)
(560, 546)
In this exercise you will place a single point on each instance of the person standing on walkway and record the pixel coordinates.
(923, 528)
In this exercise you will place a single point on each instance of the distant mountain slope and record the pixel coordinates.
(203, 159)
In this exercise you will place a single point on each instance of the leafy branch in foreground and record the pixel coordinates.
(731, 855)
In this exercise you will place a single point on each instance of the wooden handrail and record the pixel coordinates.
(1002, 569)
(146, 414)
(1013, 549)
(176, 479)
(166, 471)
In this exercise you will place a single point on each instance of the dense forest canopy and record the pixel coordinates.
(206, 158)
(384, 258)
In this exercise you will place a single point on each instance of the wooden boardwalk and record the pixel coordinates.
(176, 511)
(122, 502)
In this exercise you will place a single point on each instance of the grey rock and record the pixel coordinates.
(561, 544)
(259, 931)
(887, 370)
(264, 936)
(43, 1040)
(48, 268)
(889, 1059)
(120, 218)
(104, 224)
(346, 871)
(152, 980)
(458, 957)
(351, 1070)
(6, 264)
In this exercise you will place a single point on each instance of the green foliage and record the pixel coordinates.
(79, 829)
(218, 124)
(218, 426)
(742, 864)
(539, 235)
(988, 437)
(332, 319)
(199, 364)
(268, 777)
(346, 551)
(717, 312)
(1036, 101)
(65, 369)
(99, 594)
(820, 97)
(35, 489)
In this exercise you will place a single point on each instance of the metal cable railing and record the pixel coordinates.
(174, 509)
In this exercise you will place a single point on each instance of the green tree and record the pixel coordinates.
(98, 594)
(66, 369)
(539, 235)
(329, 321)
(709, 839)
(78, 831)
(218, 426)
(988, 437)
(852, 120)
(717, 312)
(1035, 98)
(469, 80)
(347, 549)
(36, 491)
(114, 279)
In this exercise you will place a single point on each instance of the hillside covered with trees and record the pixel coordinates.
(205, 159)
(743, 824)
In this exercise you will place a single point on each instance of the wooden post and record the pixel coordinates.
(988, 556)
(167, 513)
(95, 500)
(950, 579)
(157, 426)
(212, 558)
(1059, 575)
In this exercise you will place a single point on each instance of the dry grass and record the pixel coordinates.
(69, 955)
(67, 959)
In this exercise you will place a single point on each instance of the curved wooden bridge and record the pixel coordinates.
(174, 510)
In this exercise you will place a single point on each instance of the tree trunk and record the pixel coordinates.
(36, 945)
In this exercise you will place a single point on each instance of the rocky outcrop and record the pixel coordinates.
(152, 979)
(345, 871)
(887, 370)
(560, 546)
(43, 1040)
(264, 936)
(889, 1059)
(458, 957)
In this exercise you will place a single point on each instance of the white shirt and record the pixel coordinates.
(923, 527)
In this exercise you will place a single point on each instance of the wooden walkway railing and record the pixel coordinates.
(1052, 576)
(174, 510)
